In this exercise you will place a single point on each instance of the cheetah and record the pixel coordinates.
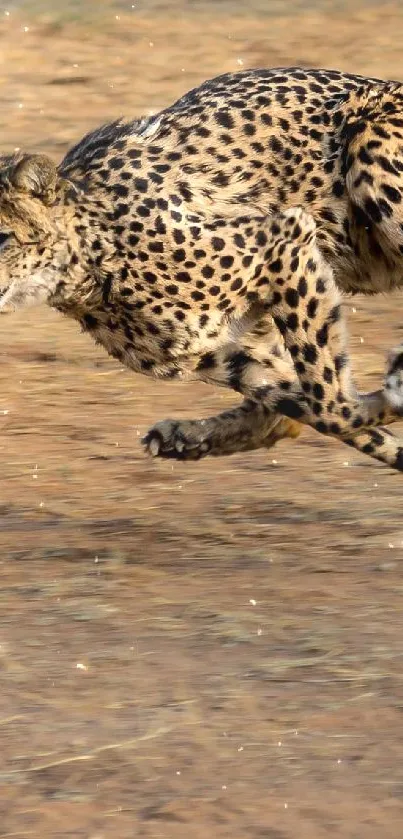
(213, 242)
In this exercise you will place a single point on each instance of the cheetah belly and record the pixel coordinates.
(151, 344)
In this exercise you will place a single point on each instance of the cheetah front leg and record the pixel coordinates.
(246, 427)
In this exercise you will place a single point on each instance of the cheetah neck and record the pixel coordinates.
(87, 271)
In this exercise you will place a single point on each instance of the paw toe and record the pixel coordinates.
(154, 446)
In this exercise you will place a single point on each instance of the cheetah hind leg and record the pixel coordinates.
(306, 310)
(394, 379)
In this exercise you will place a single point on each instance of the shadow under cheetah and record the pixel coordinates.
(212, 241)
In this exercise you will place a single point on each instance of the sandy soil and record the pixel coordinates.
(212, 649)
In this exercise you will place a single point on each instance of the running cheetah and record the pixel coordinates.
(212, 242)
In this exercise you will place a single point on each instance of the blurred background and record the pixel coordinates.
(216, 647)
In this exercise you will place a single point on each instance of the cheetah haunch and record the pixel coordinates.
(179, 243)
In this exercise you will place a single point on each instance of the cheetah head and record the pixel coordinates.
(32, 239)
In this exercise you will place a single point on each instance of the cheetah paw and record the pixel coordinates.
(177, 440)
(394, 380)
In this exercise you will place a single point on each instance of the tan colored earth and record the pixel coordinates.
(208, 650)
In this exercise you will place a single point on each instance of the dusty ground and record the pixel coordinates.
(214, 649)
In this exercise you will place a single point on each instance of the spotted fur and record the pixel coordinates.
(212, 242)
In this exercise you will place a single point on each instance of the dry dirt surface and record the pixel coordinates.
(207, 650)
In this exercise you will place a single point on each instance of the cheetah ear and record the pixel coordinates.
(35, 174)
